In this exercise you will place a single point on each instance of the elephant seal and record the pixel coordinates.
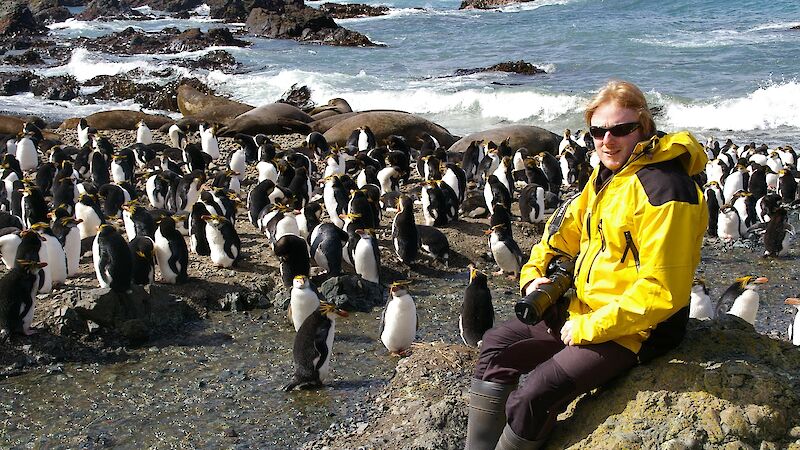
(386, 123)
(323, 125)
(208, 108)
(533, 138)
(118, 119)
(272, 118)
(334, 107)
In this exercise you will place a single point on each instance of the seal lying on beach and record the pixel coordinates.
(386, 123)
(533, 138)
(118, 119)
(207, 107)
(272, 118)
(335, 106)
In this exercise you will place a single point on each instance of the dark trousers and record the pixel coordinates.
(560, 373)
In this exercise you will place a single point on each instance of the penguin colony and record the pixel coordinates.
(131, 208)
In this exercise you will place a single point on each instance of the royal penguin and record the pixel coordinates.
(278, 222)
(434, 243)
(470, 160)
(113, 263)
(56, 258)
(66, 231)
(238, 163)
(335, 199)
(188, 190)
(123, 166)
(266, 167)
(208, 141)
(316, 142)
(474, 205)
(504, 174)
(787, 186)
(742, 295)
(198, 242)
(434, 210)
(366, 257)
(83, 132)
(249, 145)
(477, 313)
(27, 154)
(171, 252)
(313, 347)
(223, 240)
(531, 203)
(195, 159)
(292, 252)
(777, 233)
(389, 179)
(157, 188)
(327, 243)
(398, 327)
(137, 221)
(304, 299)
(505, 250)
(728, 224)
(307, 219)
(143, 256)
(361, 206)
(496, 192)
(700, 305)
(405, 236)
(335, 164)
(794, 327)
(17, 296)
(736, 181)
(143, 133)
(713, 195)
(33, 205)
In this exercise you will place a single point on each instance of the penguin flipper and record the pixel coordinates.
(321, 345)
(383, 320)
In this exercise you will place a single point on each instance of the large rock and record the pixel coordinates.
(386, 123)
(533, 138)
(107, 10)
(488, 4)
(519, 67)
(353, 10)
(725, 386)
(238, 10)
(169, 40)
(63, 87)
(15, 82)
(214, 60)
(304, 24)
(16, 19)
(49, 11)
(166, 5)
(29, 58)
(352, 293)
(149, 95)
(134, 315)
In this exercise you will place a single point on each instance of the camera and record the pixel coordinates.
(531, 308)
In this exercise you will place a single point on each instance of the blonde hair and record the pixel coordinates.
(626, 95)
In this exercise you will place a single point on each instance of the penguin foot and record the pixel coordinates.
(499, 273)
(30, 332)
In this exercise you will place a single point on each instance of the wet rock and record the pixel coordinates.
(168, 40)
(49, 11)
(149, 95)
(519, 67)
(15, 82)
(349, 11)
(16, 19)
(238, 10)
(299, 96)
(194, 39)
(29, 58)
(240, 301)
(107, 10)
(214, 60)
(352, 293)
(63, 87)
(166, 5)
(305, 25)
(488, 4)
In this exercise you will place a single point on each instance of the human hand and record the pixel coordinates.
(566, 333)
(535, 284)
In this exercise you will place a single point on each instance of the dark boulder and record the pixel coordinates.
(169, 40)
(49, 11)
(166, 5)
(15, 82)
(16, 19)
(149, 95)
(108, 9)
(238, 10)
(352, 10)
(29, 58)
(214, 60)
(64, 87)
(299, 96)
(352, 293)
(193, 39)
(305, 25)
(488, 4)
(518, 67)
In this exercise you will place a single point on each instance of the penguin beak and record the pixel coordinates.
(342, 313)
(488, 232)
(792, 301)
(761, 280)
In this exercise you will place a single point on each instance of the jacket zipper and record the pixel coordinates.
(629, 245)
(602, 249)
(589, 236)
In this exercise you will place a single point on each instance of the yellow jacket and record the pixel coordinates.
(636, 237)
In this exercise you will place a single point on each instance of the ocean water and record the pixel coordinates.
(719, 68)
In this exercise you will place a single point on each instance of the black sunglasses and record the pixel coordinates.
(620, 130)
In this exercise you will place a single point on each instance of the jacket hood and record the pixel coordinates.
(680, 145)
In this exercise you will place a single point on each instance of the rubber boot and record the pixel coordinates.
(510, 441)
(487, 413)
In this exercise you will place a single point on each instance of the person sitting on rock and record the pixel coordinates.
(634, 234)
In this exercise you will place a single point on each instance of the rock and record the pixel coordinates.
(166, 5)
(725, 386)
(53, 15)
(16, 19)
(193, 39)
(134, 315)
(238, 10)
(107, 10)
(29, 58)
(488, 4)
(63, 87)
(149, 95)
(299, 97)
(214, 60)
(304, 24)
(352, 293)
(240, 301)
(15, 82)
(519, 67)
(352, 10)
(169, 40)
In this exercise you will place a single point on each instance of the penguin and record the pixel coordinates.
(451, 205)
(64, 194)
(787, 186)
(258, 199)
(45, 176)
(455, 177)
(505, 250)
(249, 146)
(304, 299)
(188, 190)
(744, 204)
(433, 204)
(366, 257)
(143, 133)
(474, 205)
(477, 313)
(398, 327)
(88, 211)
(495, 192)
(98, 169)
(366, 139)
(223, 240)
(292, 251)
(334, 164)
(157, 188)
(17, 296)
(278, 222)
(713, 195)
(56, 258)
(198, 242)
(552, 170)
(531, 203)
(27, 154)
(317, 143)
(83, 132)
(313, 347)
(742, 295)
(114, 197)
(489, 163)
(208, 141)
(171, 252)
(113, 262)
(361, 207)
(794, 327)
(504, 174)
(308, 218)
(285, 173)
(66, 231)
(195, 158)
(327, 243)
(777, 234)
(728, 224)
(434, 243)
(143, 256)
(700, 306)
(470, 160)
(34, 206)
(266, 167)
(123, 165)
(736, 181)
(405, 236)
(238, 163)
(300, 188)
(389, 179)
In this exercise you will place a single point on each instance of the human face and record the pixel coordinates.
(614, 151)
